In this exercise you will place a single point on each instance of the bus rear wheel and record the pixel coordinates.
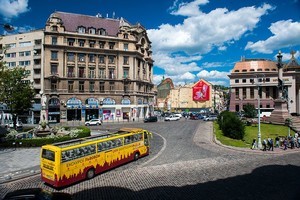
(136, 156)
(90, 174)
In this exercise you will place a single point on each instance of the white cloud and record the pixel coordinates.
(285, 34)
(201, 32)
(187, 9)
(287, 56)
(214, 74)
(198, 34)
(13, 8)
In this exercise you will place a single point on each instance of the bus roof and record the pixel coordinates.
(121, 131)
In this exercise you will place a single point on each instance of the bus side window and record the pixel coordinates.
(100, 147)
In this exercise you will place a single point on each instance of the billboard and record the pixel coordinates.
(201, 91)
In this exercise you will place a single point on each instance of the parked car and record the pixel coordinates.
(19, 125)
(150, 119)
(210, 118)
(36, 193)
(172, 118)
(178, 115)
(96, 122)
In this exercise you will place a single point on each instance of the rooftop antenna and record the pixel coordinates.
(113, 16)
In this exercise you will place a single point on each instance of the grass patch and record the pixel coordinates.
(267, 130)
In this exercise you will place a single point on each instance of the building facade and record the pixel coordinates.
(26, 50)
(200, 96)
(251, 77)
(84, 67)
(96, 67)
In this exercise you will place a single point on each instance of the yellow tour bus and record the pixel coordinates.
(68, 162)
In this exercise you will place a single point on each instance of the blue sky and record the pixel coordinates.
(190, 39)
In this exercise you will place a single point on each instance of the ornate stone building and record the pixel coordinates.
(94, 67)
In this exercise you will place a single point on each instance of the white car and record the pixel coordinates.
(172, 118)
(19, 125)
(96, 122)
(210, 118)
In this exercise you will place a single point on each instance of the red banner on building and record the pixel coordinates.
(201, 91)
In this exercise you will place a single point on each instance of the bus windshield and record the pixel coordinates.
(49, 155)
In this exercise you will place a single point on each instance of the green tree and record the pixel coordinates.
(231, 125)
(249, 111)
(15, 91)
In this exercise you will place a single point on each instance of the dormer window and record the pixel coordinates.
(53, 28)
(259, 70)
(125, 36)
(92, 31)
(236, 70)
(81, 29)
(244, 70)
(102, 31)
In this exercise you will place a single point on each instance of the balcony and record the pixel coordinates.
(37, 56)
(37, 66)
(36, 76)
(71, 74)
(37, 86)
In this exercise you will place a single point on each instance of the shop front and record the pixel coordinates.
(91, 109)
(74, 107)
(54, 110)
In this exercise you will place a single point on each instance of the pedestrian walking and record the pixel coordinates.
(285, 143)
(264, 143)
(253, 144)
(271, 147)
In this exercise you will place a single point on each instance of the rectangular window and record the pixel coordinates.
(24, 53)
(81, 57)
(81, 43)
(101, 59)
(71, 72)
(25, 44)
(111, 59)
(267, 92)
(92, 31)
(244, 80)
(70, 86)
(244, 93)
(71, 57)
(11, 64)
(125, 72)
(92, 58)
(237, 93)
(252, 93)
(111, 86)
(10, 46)
(81, 72)
(101, 45)
(54, 55)
(92, 43)
(101, 73)
(54, 68)
(111, 73)
(111, 45)
(81, 86)
(54, 40)
(11, 55)
(71, 41)
(92, 73)
(101, 86)
(125, 60)
(236, 81)
(125, 47)
(24, 63)
(92, 86)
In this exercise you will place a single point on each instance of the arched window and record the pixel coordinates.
(140, 101)
(109, 101)
(125, 102)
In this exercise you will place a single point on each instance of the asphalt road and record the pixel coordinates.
(185, 164)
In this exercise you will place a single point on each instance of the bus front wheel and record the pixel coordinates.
(136, 156)
(90, 174)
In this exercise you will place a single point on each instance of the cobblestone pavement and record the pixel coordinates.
(186, 164)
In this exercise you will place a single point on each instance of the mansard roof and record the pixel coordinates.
(72, 21)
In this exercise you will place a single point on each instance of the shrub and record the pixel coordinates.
(231, 125)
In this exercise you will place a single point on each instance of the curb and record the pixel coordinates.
(20, 174)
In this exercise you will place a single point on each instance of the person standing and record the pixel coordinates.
(277, 142)
(285, 143)
(264, 143)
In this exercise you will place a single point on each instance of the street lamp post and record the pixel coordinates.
(259, 144)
